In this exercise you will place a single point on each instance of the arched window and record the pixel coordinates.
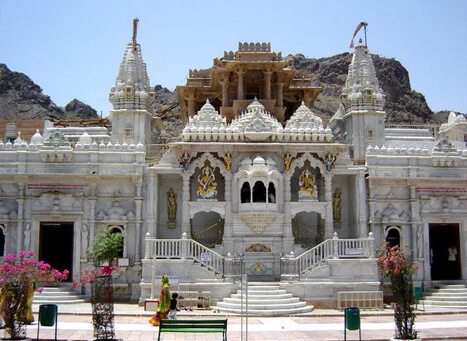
(259, 192)
(271, 193)
(119, 229)
(393, 236)
(2, 240)
(245, 193)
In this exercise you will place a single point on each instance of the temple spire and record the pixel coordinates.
(135, 32)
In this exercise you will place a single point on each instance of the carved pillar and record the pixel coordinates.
(240, 92)
(329, 226)
(153, 184)
(228, 206)
(287, 214)
(267, 84)
(19, 227)
(360, 191)
(225, 91)
(280, 94)
(92, 211)
(185, 207)
(139, 204)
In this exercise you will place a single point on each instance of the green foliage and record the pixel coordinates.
(106, 245)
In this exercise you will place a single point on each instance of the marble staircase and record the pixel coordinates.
(264, 299)
(58, 295)
(447, 297)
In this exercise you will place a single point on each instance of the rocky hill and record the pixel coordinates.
(403, 105)
(22, 99)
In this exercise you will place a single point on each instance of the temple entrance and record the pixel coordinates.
(56, 245)
(444, 251)
(308, 229)
(207, 228)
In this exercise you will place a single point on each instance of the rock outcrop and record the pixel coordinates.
(403, 105)
(80, 110)
(22, 99)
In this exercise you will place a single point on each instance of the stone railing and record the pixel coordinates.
(184, 249)
(295, 267)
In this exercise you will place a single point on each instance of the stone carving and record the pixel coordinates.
(84, 240)
(258, 222)
(258, 248)
(255, 124)
(207, 185)
(336, 206)
(308, 190)
(115, 213)
(171, 207)
(27, 237)
(258, 268)
(185, 161)
(330, 159)
(287, 161)
(228, 161)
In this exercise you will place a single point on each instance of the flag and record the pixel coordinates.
(356, 31)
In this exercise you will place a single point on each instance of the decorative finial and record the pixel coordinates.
(135, 32)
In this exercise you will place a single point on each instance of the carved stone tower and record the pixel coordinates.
(360, 117)
(132, 97)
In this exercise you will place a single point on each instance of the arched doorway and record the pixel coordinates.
(393, 236)
(308, 229)
(207, 228)
(445, 264)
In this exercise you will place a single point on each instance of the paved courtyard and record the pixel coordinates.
(74, 323)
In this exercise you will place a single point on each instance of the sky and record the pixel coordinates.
(73, 49)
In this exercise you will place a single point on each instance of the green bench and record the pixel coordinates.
(193, 326)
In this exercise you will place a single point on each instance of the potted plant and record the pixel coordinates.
(393, 264)
(17, 275)
(104, 249)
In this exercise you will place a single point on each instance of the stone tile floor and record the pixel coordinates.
(74, 323)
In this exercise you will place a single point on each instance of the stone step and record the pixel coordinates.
(275, 312)
(57, 295)
(447, 297)
(264, 297)
(264, 305)
(446, 303)
(263, 292)
(52, 301)
(260, 300)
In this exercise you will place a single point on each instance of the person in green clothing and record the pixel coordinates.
(164, 303)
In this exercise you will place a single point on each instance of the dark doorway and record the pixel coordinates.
(56, 245)
(259, 192)
(393, 237)
(442, 238)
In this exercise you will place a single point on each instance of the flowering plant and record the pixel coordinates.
(392, 263)
(18, 275)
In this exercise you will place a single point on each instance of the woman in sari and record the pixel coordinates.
(164, 303)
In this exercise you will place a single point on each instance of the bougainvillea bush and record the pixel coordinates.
(18, 274)
(393, 264)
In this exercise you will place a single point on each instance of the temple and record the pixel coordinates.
(256, 184)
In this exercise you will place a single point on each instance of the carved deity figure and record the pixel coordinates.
(329, 162)
(27, 237)
(228, 161)
(84, 240)
(207, 185)
(171, 204)
(287, 161)
(336, 206)
(185, 161)
(307, 185)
